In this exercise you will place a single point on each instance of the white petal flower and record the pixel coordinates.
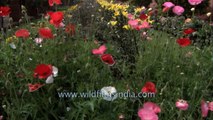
(55, 71)
(109, 93)
(12, 45)
(38, 40)
(50, 79)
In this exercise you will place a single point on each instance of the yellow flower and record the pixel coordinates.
(116, 13)
(11, 39)
(124, 13)
(149, 20)
(72, 8)
(113, 23)
(127, 27)
(137, 10)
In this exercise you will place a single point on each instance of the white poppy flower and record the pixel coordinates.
(109, 93)
(12, 45)
(50, 79)
(38, 40)
(55, 71)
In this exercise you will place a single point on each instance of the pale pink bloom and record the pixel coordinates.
(38, 40)
(152, 106)
(210, 106)
(61, 24)
(144, 25)
(100, 50)
(168, 4)
(147, 114)
(130, 16)
(194, 2)
(133, 23)
(178, 10)
(182, 104)
(204, 108)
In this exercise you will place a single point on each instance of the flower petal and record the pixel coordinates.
(55, 71)
(50, 79)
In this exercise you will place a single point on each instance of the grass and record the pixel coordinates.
(161, 61)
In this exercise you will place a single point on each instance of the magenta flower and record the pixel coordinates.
(133, 23)
(182, 104)
(130, 16)
(178, 10)
(168, 4)
(101, 50)
(204, 108)
(149, 111)
(195, 2)
(146, 114)
(210, 106)
(144, 25)
(152, 106)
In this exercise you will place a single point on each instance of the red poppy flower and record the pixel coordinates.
(49, 13)
(108, 59)
(143, 16)
(34, 87)
(45, 33)
(5, 11)
(56, 18)
(183, 42)
(70, 29)
(149, 87)
(52, 2)
(22, 33)
(43, 71)
(188, 31)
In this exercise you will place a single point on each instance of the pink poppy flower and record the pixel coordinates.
(38, 40)
(133, 23)
(194, 2)
(130, 16)
(34, 87)
(178, 10)
(100, 50)
(152, 106)
(144, 25)
(210, 106)
(182, 104)
(204, 108)
(168, 4)
(147, 114)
